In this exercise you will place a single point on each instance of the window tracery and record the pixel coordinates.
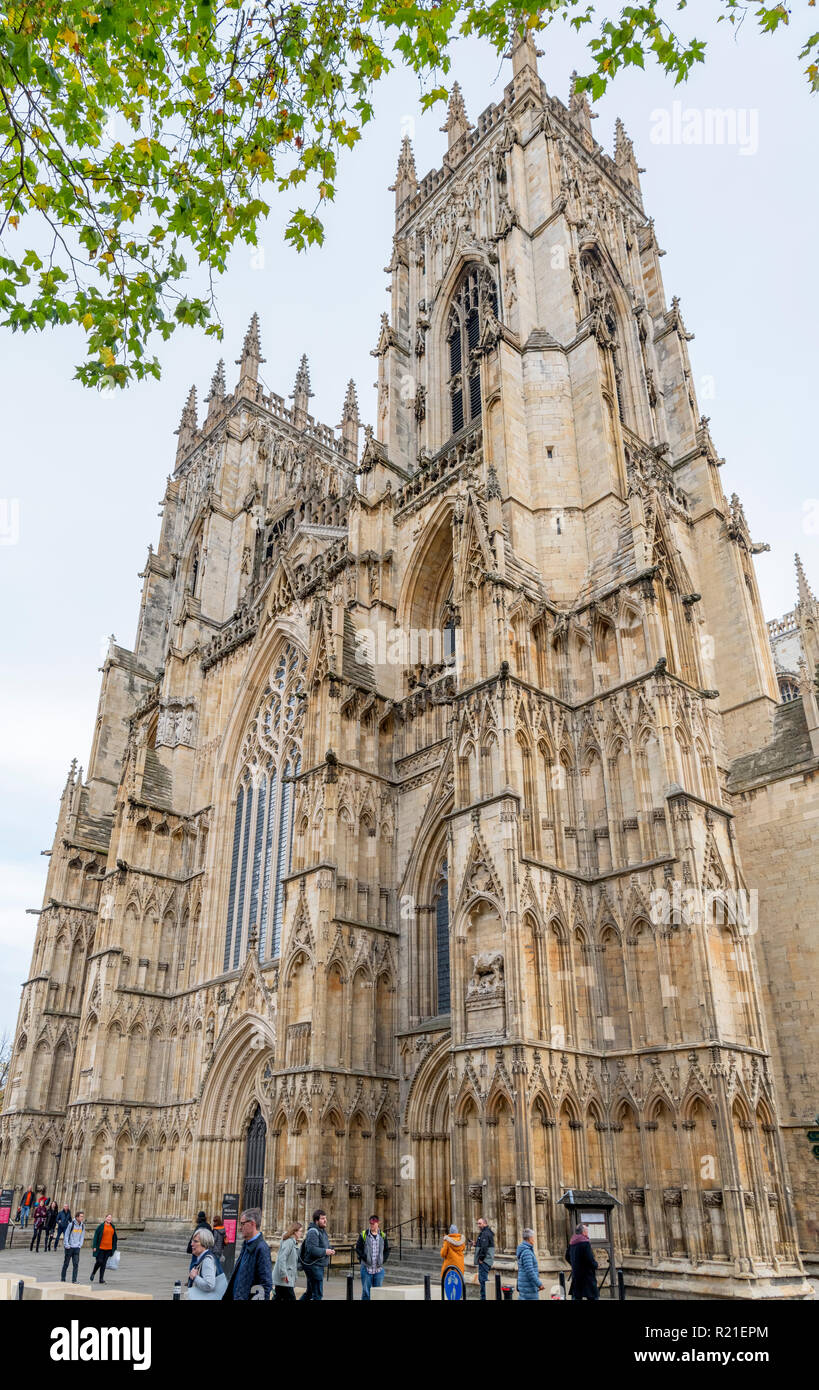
(263, 819)
(476, 291)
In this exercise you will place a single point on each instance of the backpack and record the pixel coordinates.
(304, 1262)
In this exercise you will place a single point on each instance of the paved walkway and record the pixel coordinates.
(138, 1272)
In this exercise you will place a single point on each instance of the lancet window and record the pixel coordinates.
(463, 335)
(263, 817)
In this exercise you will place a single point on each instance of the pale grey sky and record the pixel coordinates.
(738, 223)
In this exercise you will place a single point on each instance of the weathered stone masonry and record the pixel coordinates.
(411, 865)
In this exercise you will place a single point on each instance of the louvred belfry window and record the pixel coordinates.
(263, 816)
(463, 337)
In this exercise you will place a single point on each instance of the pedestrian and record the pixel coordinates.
(453, 1252)
(287, 1265)
(580, 1257)
(373, 1250)
(206, 1278)
(484, 1253)
(219, 1238)
(39, 1220)
(201, 1225)
(315, 1257)
(253, 1265)
(51, 1225)
(103, 1246)
(529, 1284)
(72, 1244)
(26, 1204)
(63, 1220)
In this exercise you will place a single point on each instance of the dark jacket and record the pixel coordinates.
(580, 1257)
(95, 1244)
(40, 1215)
(253, 1266)
(218, 1242)
(51, 1219)
(63, 1220)
(528, 1272)
(316, 1244)
(361, 1248)
(27, 1199)
(486, 1239)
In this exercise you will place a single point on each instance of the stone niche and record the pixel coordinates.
(485, 1000)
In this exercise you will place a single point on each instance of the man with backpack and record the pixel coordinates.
(373, 1250)
(314, 1257)
(484, 1253)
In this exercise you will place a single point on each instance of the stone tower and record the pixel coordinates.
(404, 876)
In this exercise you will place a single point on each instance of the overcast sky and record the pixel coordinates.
(86, 472)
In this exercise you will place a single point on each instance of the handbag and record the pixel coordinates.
(113, 1262)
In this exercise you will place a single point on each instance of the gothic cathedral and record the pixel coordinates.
(447, 841)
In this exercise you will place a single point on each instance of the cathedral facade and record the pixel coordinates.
(409, 871)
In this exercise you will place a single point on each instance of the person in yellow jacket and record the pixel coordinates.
(453, 1250)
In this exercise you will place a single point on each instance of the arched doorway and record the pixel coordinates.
(253, 1192)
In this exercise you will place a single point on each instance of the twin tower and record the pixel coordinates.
(428, 858)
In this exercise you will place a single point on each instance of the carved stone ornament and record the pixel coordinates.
(672, 1197)
(712, 1199)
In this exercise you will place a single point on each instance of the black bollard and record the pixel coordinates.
(427, 1289)
(20, 1286)
(508, 1292)
(177, 1291)
(621, 1285)
(350, 1278)
(498, 1294)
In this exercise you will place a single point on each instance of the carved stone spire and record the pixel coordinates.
(350, 424)
(217, 391)
(579, 109)
(188, 426)
(523, 52)
(406, 179)
(624, 155)
(301, 394)
(251, 357)
(457, 122)
(803, 587)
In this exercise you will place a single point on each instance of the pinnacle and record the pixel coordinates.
(302, 387)
(406, 160)
(217, 384)
(251, 348)
(188, 420)
(803, 587)
(523, 51)
(350, 411)
(457, 122)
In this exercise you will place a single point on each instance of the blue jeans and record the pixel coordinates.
(483, 1275)
(25, 1212)
(72, 1257)
(369, 1281)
